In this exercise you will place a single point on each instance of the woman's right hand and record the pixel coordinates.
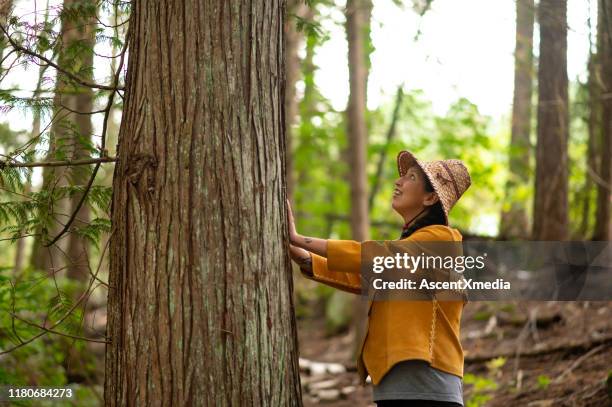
(302, 257)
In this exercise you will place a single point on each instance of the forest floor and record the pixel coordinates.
(534, 354)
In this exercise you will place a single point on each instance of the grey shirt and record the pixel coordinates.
(416, 379)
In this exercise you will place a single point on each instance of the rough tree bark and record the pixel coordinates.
(551, 184)
(514, 219)
(200, 298)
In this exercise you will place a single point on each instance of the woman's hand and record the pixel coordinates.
(293, 234)
(302, 258)
(311, 244)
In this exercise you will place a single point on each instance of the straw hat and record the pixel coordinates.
(449, 178)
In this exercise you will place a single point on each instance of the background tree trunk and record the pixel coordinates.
(70, 136)
(357, 26)
(200, 299)
(514, 220)
(602, 226)
(5, 9)
(358, 13)
(293, 41)
(551, 184)
(82, 101)
(112, 127)
(594, 131)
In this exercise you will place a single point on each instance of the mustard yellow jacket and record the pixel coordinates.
(396, 330)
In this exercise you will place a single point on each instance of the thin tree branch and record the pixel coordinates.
(63, 163)
(94, 275)
(15, 193)
(54, 65)
(48, 330)
(19, 237)
(598, 179)
(79, 112)
(13, 307)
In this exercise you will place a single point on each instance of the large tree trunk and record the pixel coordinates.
(551, 184)
(602, 224)
(200, 299)
(514, 219)
(358, 14)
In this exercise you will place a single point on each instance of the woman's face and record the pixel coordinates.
(409, 194)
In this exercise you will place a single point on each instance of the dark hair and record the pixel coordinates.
(435, 215)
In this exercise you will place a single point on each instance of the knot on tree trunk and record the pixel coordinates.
(139, 165)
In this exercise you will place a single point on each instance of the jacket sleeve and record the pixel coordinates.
(344, 256)
(349, 282)
(342, 267)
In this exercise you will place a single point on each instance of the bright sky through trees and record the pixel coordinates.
(465, 50)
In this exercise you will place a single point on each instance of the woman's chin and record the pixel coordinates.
(399, 205)
(394, 203)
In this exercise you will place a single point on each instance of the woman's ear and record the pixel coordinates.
(431, 199)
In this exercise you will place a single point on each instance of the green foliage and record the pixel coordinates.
(93, 231)
(580, 193)
(10, 101)
(495, 364)
(36, 215)
(40, 300)
(482, 315)
(12, 178)
(36, 203)
(543, 382)
(482, 388)
(308, 27)
(339, 312)
(311, 27)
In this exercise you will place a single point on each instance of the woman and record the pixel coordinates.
(411, 349)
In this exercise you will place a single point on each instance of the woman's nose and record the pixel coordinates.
(397, 182)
